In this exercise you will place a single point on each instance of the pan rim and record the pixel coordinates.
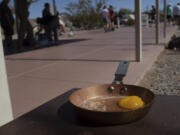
(95, 111)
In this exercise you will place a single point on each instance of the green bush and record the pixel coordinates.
(130, 22)
(124, 11)
(85, 14)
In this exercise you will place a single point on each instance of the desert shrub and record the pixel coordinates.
(124, 11)
(130, 22)
(85, 14)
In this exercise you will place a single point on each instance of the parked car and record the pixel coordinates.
(123, 19)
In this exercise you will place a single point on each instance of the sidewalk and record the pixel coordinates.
(87, 59)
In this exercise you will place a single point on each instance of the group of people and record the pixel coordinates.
(50, 23)
(173, 13)
(108, 18)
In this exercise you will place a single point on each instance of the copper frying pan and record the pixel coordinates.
(98, 104)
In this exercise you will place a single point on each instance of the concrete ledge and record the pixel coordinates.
(138, 70)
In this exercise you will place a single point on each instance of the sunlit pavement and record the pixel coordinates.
(89, 58)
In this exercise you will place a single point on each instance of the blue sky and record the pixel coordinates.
(61, 4)
(36, 8)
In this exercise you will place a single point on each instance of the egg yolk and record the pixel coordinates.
(131, 102)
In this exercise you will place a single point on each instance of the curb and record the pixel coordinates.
(167, 40)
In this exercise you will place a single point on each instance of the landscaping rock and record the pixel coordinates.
(164, 76)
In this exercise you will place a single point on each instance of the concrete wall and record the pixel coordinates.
(5, 102)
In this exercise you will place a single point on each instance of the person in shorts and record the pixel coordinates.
(106, 19)
(169, 13)
(111, 16)
(152, 14)
(7, 21)
(176, 13)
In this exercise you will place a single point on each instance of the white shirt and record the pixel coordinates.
(105, 12)
(176, 10)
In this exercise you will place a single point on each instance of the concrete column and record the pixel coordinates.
(138, 30)
(5, 102)
(165, 15)
(157, 22)
(118, 22)
(54, 7)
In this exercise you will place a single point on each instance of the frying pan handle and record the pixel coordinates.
(121, 72)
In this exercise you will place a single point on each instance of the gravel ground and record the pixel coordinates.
(164, 76)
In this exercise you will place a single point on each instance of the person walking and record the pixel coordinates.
(153, 13)
(49, 22)
(176, 13)
(106, 19)
(169, 13)
(6, 21)
(111, 16)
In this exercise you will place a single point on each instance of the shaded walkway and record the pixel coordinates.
(13, 49)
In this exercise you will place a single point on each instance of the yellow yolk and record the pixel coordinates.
(131, 102)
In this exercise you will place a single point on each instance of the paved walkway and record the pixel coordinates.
(87, 59)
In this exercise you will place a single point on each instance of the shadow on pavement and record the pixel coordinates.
(13, 49)
(81, 60)
(151, 44)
